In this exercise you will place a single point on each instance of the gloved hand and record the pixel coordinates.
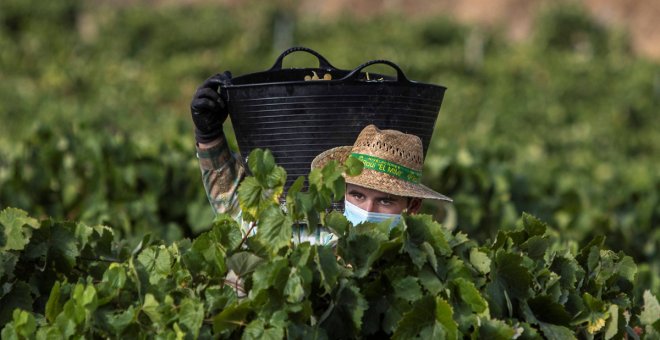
(208, 109)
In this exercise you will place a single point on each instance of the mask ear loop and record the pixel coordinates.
(405, 210)
(410, 203)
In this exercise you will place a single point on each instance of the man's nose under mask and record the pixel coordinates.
(356, 215)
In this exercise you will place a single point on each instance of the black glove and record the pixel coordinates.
(208, 109)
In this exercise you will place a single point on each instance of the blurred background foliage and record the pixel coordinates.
(95, 118)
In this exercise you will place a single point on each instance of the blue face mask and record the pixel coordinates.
(356, 215)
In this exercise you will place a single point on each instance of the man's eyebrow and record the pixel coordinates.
(389, 197)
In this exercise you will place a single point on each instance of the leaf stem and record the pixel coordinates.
(247, 234)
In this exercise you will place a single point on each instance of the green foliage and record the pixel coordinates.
(82, 172)
(263, 190)
(417, 279)
(563, 127)
(570, 28)
(94, 104)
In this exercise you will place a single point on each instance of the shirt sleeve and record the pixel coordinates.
(222, 172)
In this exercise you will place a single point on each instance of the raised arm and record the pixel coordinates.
(222, 170)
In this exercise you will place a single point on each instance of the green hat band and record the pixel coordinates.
(387, 167)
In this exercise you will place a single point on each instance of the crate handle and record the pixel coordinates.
(323, 63)
(400, 77)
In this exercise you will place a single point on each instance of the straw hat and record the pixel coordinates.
(393, 162)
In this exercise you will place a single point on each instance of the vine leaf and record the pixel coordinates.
(230, 318)
(259, 329)
(407, 288)
(23, 326)
(226, 232)
(354, 166)
(470, 295)
(546, 309)
(157, 261)
(428, 316)
(496, 330)
(555, 332)
(510, 279)
(327, 266)
(63, 246)
(337, 222)
(422, 228)
(18, 297)
(16, 228)
(651, 312)
(192, 315)
(345, 319)
(122, 319)
(243, 263)
(272, 274)
(275, 230)
(264, 187)
(480, 260)
(53, 307)
(150, 307)
(294, 290)
(206, 256)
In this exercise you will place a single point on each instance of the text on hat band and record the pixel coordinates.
(387, 167)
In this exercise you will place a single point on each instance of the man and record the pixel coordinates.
(387, 187)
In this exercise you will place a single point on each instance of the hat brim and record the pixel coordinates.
(376, 180)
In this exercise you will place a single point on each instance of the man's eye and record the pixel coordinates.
(386, 202)
(357, 196)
